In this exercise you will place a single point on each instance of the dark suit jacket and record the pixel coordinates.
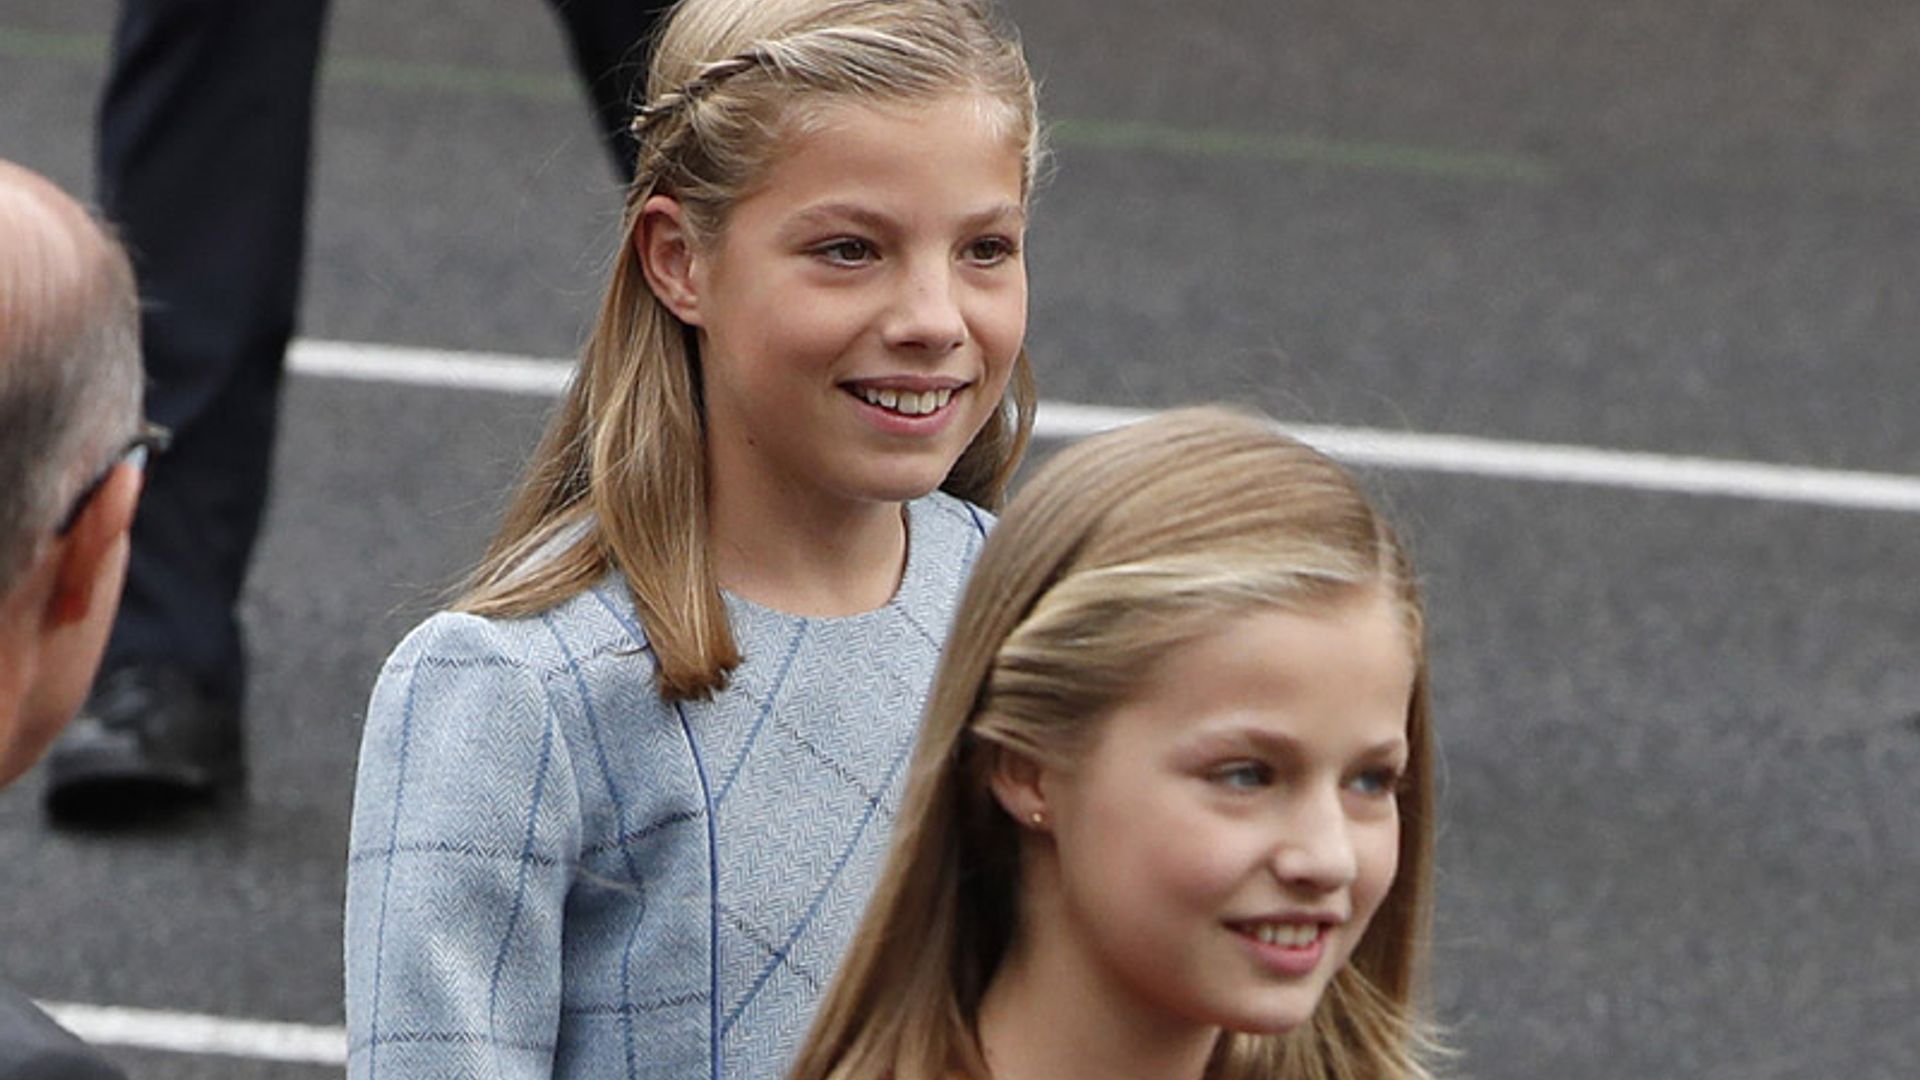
(33, 1047)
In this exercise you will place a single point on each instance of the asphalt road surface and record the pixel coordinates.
(1680, 731)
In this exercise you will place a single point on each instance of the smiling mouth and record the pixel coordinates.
(903, 402)
(1284, 935)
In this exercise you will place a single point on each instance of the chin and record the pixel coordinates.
(904, 493)
(1269, 1025)
(904, 483)
(1277, 1018)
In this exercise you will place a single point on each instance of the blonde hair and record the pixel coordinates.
(619, 480)
(1123, 547)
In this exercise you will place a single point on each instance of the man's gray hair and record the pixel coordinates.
(69, 358)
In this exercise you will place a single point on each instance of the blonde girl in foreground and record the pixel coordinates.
(618, 811)
(1171, 812)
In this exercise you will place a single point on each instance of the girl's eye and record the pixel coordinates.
(846, 251)
(1377, 783)
(992, 250)
(1243, 775)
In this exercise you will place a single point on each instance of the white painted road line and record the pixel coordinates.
(430, 367)
(1406, 451)
(1667, 473)
(193, 1033)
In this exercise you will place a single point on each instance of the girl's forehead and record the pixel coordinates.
(1328, 673)
(813, 114)
(939, 159)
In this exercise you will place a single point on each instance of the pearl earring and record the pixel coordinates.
(1037, 818)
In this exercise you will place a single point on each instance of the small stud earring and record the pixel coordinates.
(1037, 818)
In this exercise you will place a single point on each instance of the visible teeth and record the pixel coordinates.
(1287, 935)
(907, 402)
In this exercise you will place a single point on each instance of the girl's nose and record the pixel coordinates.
(1315, 849)
(927, 315)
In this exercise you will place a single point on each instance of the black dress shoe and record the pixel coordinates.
(150, 738)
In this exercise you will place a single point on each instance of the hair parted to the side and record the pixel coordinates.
(1121, 548)
(619, 480)
(69, 357)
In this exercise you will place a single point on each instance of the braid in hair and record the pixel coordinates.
(651, 114)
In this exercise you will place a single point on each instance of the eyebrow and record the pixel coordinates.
(1009, 212)
(833, 213)
(1271, 741)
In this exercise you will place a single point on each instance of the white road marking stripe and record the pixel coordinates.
(1460, 454)
(194, 1033)
(430, 367)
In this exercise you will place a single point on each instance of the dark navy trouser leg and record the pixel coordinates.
(204, 136)
(205, 140)
(610, 39)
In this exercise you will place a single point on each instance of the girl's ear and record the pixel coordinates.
(1016, 785)
(665, 247)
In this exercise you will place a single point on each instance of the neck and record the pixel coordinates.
(794, 551)
(1046, 1017)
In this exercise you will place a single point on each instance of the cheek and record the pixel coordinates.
(1378, 855)
(996, 317)
(1158, 855)
(1005, 328)
(769, 321)
(796, 335)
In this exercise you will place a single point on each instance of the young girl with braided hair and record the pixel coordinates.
(1171, 813)
(618, 811)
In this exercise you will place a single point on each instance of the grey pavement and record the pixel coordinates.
(1680, 834)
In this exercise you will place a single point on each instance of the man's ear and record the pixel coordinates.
(88, 547)
(668, 255)
(1016, 781)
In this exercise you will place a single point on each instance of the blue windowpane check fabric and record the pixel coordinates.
(553, 872)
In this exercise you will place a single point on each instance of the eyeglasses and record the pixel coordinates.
(151, 439)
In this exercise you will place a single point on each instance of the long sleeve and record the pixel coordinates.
(466, 832)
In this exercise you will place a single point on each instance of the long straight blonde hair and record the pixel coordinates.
(619, 481)
(1123, 547)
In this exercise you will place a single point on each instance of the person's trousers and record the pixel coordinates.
(205, 128)
(205, 135)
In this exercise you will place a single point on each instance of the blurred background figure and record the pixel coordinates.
(71, 450)
(205, 132)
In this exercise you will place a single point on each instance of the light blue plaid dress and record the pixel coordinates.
(553, 872)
